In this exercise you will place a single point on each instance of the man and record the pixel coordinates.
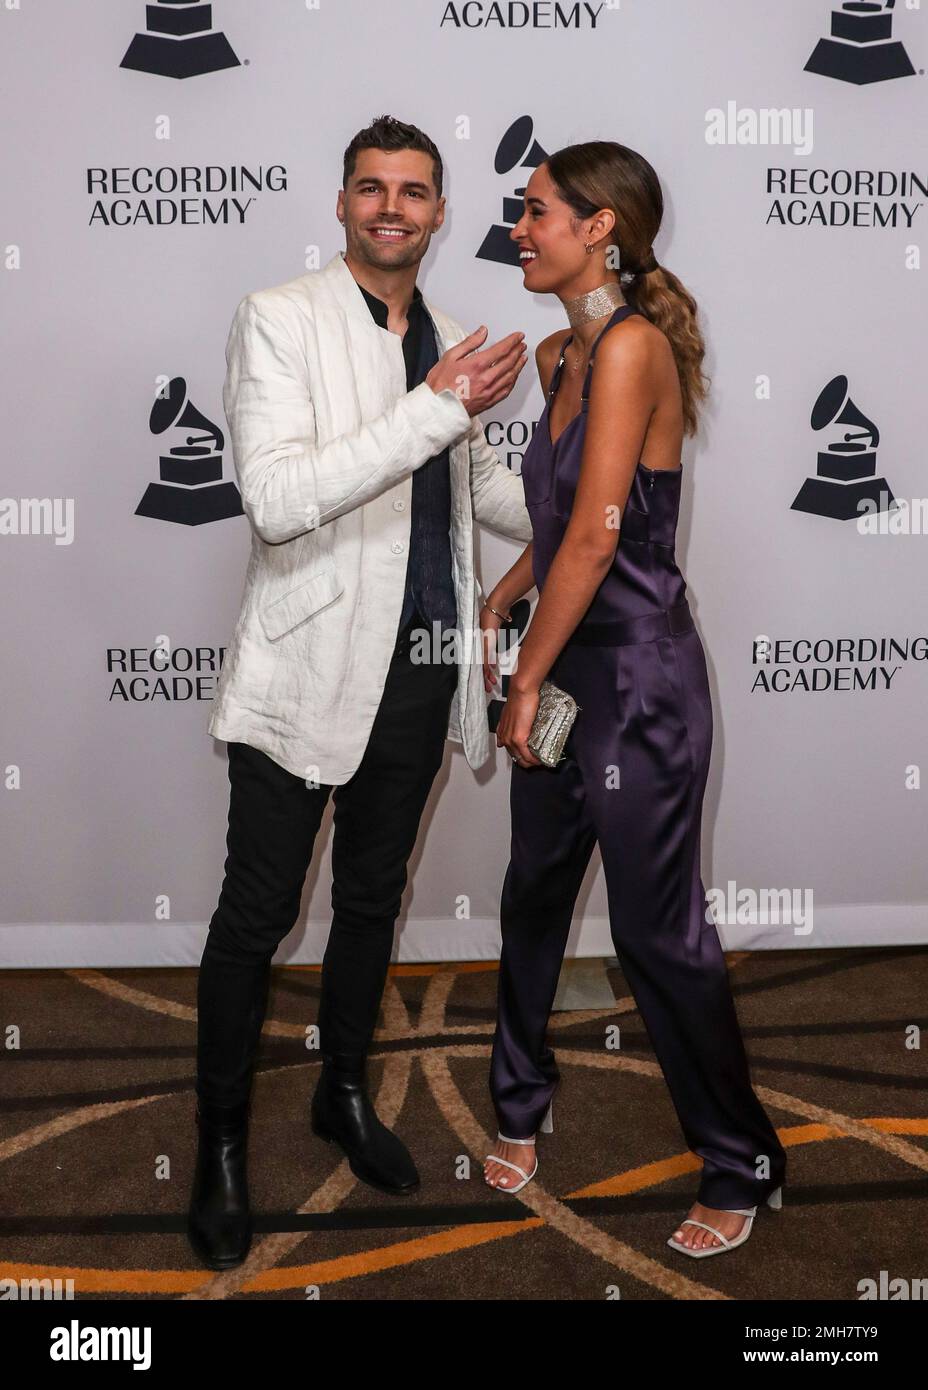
(352, 403)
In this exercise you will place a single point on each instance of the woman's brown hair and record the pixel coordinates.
(603, 174)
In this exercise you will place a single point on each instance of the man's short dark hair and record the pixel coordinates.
(387, 133)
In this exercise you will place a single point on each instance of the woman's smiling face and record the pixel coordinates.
(550, 246)
(551, 238)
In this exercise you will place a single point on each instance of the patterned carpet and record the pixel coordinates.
(97, 1142)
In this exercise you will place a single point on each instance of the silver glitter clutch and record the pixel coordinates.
(552, 723)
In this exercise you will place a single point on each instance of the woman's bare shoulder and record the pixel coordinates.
(635, 342)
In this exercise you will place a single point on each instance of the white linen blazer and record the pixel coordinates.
(325, 439)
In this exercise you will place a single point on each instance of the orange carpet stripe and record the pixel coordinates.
(289, 1276)
(151, 1281)
(650, 1174)
(389, 1256)
(893, 1126)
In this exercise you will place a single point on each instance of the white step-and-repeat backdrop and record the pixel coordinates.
(163, 160)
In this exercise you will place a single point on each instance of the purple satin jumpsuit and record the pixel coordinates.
(632, 780)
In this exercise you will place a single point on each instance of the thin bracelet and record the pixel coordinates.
(507, 617)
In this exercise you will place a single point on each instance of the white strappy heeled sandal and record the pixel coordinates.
(774, 1201)
(546, 1127)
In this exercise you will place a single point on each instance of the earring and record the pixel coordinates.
(589, 248)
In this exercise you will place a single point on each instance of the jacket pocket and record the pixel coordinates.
(301, 603)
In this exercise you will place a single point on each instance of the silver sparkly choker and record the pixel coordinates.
(594, 303)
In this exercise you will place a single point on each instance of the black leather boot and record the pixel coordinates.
(219, 1219)
(342, 1113)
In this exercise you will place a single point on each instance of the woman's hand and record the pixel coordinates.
(515, 725)
(489, 638)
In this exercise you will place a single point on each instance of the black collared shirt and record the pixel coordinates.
(429, 581)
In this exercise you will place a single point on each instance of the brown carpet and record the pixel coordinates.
(97, 1142)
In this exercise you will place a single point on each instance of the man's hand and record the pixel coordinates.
(480, 379)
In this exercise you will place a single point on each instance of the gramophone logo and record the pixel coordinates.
(861, 48)
(517, 148)
(846, 474)
(191, 491)
(179, 41)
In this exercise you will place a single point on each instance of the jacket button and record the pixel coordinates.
(399, 505)
(397, 547)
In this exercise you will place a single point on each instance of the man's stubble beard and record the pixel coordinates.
(363, 250)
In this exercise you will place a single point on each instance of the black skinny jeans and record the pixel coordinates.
(273, 820)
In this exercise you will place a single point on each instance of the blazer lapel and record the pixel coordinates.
(376, 346)
(378, 364)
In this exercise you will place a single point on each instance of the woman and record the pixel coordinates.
(612, 627)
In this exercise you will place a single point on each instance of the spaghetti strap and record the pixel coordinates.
(622, 309)
(556, 374)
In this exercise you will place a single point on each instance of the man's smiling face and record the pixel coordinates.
(390, 208)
